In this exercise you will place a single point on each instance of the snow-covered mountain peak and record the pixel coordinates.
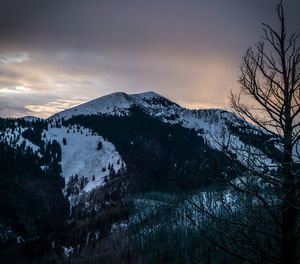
(117, 103)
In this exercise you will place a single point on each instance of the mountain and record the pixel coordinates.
(214, 125)
(208, 122)
(118, 104)
(112, 165)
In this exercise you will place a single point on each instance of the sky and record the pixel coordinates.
(60, 53)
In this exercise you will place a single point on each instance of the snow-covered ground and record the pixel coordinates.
(81, 157)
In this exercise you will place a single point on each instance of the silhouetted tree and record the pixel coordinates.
(99, 145)
(262, 225)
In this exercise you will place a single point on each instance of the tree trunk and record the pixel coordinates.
(289, 210)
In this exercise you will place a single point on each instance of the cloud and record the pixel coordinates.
(54, 51)
(185, 78)
(13, 108)
(50, 108)
(17, 89)
(13, 58)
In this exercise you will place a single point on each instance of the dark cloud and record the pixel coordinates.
(135, 24)
(187, 50)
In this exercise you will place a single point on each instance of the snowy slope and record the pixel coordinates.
(81, 159)
(119, 104)
(114, 104)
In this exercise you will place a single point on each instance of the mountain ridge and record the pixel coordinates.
(157, 106)
(120, 101)
(116, 103)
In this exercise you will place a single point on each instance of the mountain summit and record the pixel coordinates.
(117, 103)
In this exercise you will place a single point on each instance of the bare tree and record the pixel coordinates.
(271, 76)
(270, 83)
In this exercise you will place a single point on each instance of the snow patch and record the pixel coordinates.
(81, 157)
